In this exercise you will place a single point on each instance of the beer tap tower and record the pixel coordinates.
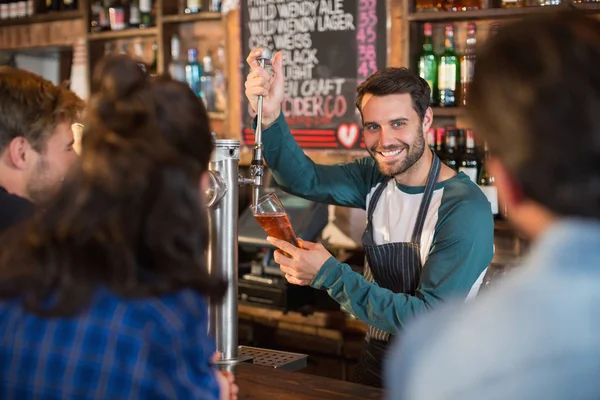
(223, 203)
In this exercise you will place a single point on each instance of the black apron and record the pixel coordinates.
(394, 266)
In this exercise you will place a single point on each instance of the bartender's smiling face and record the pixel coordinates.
(393, 132)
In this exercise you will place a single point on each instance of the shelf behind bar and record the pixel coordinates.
(183, 18)
(497, 13)
(448, 112)
(47, 17)
(126, 33)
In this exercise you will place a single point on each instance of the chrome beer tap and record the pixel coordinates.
(257, 169)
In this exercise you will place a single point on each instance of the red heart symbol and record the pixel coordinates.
(347, 135)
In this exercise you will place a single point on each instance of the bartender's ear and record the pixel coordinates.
(19, 151)
(427, 120)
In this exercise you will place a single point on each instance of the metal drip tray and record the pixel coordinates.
(274, 358)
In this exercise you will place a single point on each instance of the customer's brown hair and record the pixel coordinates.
(32, 107)
(130, 217)
(535, 98)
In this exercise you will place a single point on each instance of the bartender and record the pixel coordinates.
(430, 231)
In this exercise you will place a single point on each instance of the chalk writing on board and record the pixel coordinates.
(327, 47)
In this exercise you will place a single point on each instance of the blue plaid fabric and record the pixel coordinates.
(155, 348)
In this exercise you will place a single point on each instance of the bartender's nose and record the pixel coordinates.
(385, 137)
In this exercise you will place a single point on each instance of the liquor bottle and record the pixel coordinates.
(208, 83)
(193, 72)
(431, 139)
(220, 81)
(13, 9)
(440, 137)
(467, 65)
(428, 63)
(146, 14)
(21, 8)
(449, 157)
(177, 66)
(153, 68)
(100, 20)
(193, 6)
(469, 163)
(215, 5)
(448, 71)
(69, 5)
(487, 182)
(52, 5)
(30, 8)
(138, 54)
(4, 10)
(512, 3)
(134, 14)
(117, 16)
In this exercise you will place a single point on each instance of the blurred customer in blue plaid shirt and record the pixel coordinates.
(104, 295)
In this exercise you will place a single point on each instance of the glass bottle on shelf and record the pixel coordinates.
(153, 69)
(134, 14)
(440, 137)
(177, 65)
(428, 63)
(450, 157)
(99, 19)
(138, 53)
(487, 182)
(70, 5)
(146, 14)
(4, 12)
(193, 6)
(117, 16)
(448, 68)
(21, 8)
(208, 83)
(193, 72)
(469, 164)
(51, 5)
(215, 5)
(467, 65)
(220, 82)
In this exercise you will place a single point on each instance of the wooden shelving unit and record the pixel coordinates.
(449, 112)
(124, 34)
(187, 18)
(41, 18)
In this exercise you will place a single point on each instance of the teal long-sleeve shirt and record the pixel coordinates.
(457, 241)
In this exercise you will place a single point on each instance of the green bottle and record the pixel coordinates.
(448, 69)
(428, 64)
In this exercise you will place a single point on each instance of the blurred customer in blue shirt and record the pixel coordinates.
(536, 100)
(105, 294)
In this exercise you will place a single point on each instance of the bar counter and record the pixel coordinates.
(257, 382)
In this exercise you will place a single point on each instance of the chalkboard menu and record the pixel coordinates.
(329, 47)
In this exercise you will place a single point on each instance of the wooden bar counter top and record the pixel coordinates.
(257, 382)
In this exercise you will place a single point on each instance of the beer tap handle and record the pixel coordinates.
(257, 167)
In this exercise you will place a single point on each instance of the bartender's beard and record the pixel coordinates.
(412, 154)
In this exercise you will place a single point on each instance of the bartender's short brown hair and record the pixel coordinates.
(536, 100)
(31, 107)
(392, 80)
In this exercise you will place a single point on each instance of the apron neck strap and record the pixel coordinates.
(434, 173)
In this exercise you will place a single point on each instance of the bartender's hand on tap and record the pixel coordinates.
(261, 83)
(305, 262)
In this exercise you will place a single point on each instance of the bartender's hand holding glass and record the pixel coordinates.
(261, 83)
(303, 264)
